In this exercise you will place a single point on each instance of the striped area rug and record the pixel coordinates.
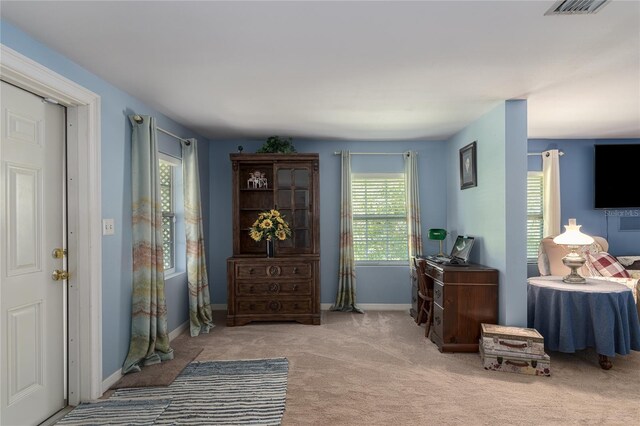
(250, 392)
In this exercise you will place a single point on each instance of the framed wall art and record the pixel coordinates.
(468, 172)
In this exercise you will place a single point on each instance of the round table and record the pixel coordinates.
(570, 317)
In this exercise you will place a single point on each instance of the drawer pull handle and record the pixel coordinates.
(295, 270)
(274, 287)
(250, 271)
(273, 270)
(295, 287)
(437, 320)
(274, 305)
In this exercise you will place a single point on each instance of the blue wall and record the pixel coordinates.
(116, 195)
(375, 284)
(577, 190)
(495, 210)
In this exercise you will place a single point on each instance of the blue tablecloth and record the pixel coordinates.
(571, 317)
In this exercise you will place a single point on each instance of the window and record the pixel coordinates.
(168, 167)
(534, 214)
(379, 218)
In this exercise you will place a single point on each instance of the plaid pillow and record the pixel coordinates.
(608, 266)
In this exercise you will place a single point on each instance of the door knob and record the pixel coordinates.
(59, 275)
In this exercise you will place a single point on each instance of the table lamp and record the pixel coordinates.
(573, 239)
(439, 235)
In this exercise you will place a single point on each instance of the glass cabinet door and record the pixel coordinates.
(293, 200)
(255, 195)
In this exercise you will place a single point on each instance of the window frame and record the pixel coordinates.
(400, 218)
(538, 175)
(175, 164)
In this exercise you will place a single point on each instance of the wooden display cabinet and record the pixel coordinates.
(286, 287)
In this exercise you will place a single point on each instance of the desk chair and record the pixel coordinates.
(425, 296)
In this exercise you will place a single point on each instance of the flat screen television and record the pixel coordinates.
(617, 176)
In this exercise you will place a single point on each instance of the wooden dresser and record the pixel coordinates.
(287, 286)
(464, 297)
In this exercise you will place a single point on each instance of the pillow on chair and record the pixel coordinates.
(608, 266)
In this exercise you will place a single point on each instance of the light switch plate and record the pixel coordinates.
(108, 227)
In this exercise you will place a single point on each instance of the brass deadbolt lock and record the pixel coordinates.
(58, 253)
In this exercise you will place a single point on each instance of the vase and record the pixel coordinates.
(270, 248)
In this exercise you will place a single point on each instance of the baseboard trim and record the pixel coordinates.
(117, 375)
(374, 306)
(178, 331)
(111, 380)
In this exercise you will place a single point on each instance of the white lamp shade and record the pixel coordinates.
(572, 236)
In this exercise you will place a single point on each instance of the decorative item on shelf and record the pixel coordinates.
(573, 239)
(269, 226)
(276, 144)
(257, 180)
(438, 235)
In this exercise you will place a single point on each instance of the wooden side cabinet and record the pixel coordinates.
(464, 297)
(287, 286)
(271, 289)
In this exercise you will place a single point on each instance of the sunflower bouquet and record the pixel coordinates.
(270, 225)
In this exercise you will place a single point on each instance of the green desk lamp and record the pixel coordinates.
(439, 235)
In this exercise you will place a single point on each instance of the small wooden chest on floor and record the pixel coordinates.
(535, 365)
(511, 339)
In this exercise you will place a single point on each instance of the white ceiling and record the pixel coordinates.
(356, 70)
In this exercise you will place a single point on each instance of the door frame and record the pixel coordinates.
(84, 216)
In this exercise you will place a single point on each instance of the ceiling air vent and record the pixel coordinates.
(576, 7)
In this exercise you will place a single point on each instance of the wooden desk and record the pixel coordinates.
(465, 297)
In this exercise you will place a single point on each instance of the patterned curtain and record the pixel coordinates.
(413, 204)
(346, 297)
(200, 317)
(149, 338)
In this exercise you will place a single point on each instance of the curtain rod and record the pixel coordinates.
(139, 120)
(541, 153)
(373, 153)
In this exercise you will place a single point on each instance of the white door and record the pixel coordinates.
(32, 225)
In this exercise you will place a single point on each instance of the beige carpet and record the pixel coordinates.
(378, 369)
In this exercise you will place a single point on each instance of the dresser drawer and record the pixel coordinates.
(293, 288)
(274, 270)
(438, 321)
(438, 293)
(433, 272)
(273, 306)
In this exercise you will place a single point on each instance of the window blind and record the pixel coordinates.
(379, 217)
(534, 214)
(166, 170)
